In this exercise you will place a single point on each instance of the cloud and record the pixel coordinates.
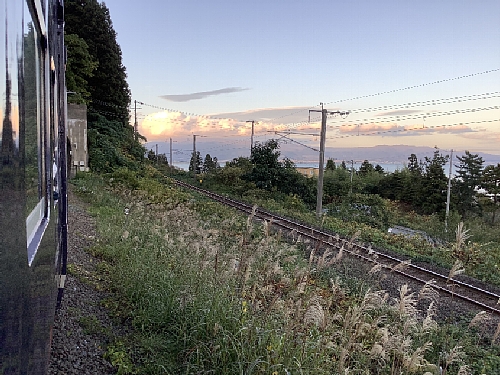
(395, 130)
(163, 124)
(484, 136)
(160, 125)
(201, 94)
(368, 128)
(400, 112)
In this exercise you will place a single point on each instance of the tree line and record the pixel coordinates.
(96, 76)
(422, 185)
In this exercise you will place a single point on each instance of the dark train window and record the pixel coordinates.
(34, 135)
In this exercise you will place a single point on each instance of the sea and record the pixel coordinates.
(388, 167)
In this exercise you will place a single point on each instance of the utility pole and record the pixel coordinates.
(251, 138)
(135, 119)
(324, 114)
(157, 154)
(194, 156)
(136, 125)
(352, 171)
(171, 159)
(448, 193)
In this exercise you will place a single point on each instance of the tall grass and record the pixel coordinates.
(210, 292)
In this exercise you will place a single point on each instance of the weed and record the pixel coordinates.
(210, 292)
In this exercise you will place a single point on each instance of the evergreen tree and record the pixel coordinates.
(469, 172)
(330, 165)
(209, 164)
(216, 163)
(110, 94)
(491, 183)
(80, 67)
(414, 166)
(434, 184)
(92, 43)
(412, 189)
(366, 168)
(195, 162)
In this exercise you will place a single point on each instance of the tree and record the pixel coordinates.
(110, 94)
(414, 166)
(92, 43)
(209, 164)
(434, 184)
(379, 169)
(366, 168)
(265, 171)
(491, 183)
(270, 174)
(151, 156)
(343, 166)
(330, 165)
(216, 163)
(412, 188)
(195, 162)
(80, 68)
(336, 184)
(469, 172)
(107, 149)
(241, 162)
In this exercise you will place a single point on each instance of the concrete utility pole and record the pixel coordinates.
(171, 162)
(448, 194)
(324, 114)
(136, 125)
(157, 154)
(135, 118)
(352, 171)
(251, 138)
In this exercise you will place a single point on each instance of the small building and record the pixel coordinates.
(308, 171)
(77, 135)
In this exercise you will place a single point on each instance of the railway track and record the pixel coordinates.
(482, 298)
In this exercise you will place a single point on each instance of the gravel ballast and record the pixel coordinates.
(82, 327)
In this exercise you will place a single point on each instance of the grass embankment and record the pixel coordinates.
(479, 254)
(208, 291)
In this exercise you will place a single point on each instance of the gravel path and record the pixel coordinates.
(82, 326)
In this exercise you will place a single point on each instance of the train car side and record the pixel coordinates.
(32, 180)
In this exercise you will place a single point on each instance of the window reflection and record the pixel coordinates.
(32, 133)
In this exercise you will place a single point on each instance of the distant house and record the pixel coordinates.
(308, 171)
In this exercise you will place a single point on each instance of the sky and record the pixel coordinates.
(420, 73)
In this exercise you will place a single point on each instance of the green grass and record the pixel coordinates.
(208, 291)
(480, 256)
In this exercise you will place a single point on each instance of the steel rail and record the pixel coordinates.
(315, 234)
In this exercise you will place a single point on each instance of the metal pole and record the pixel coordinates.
(171, 159)
(448, 193)
(319, 198)
(135, 119)
(194, 156)
(251, 138)
(352, 171)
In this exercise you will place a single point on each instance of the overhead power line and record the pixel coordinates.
(412, 117)
(419, 128)
(415, 86)
(456, 99)
(390, 91)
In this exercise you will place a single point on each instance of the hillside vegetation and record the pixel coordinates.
(208, 291)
